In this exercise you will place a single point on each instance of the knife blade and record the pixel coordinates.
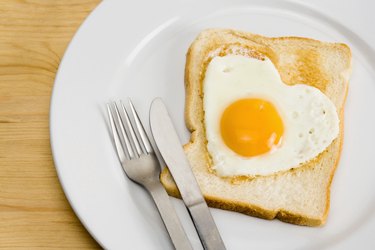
(171, 150)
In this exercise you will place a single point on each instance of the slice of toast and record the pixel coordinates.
(300, 195)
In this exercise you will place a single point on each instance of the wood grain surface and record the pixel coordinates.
(34, 212)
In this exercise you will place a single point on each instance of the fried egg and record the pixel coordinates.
(256, 124)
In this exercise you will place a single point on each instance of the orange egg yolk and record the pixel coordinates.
(251, 127)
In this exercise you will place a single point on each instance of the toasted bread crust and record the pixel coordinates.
(314, 63)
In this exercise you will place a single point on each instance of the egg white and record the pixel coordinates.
(310, 118)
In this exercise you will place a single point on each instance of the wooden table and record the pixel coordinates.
(34, 212)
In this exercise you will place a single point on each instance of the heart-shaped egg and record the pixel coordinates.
(256, 124)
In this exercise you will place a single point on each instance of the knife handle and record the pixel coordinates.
(206, 227)
(169, 217)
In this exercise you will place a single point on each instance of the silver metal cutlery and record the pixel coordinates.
(140, 164)
(170, 148)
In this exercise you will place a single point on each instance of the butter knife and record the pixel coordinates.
(171, 150)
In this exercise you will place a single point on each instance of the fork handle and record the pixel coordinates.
(169, 216)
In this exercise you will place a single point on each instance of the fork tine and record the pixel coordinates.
(122, 134)
(141, 135)
(130, 129)
(120, 152)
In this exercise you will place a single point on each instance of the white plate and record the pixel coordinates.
(137, 49)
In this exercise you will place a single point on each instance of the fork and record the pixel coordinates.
(140, 164)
